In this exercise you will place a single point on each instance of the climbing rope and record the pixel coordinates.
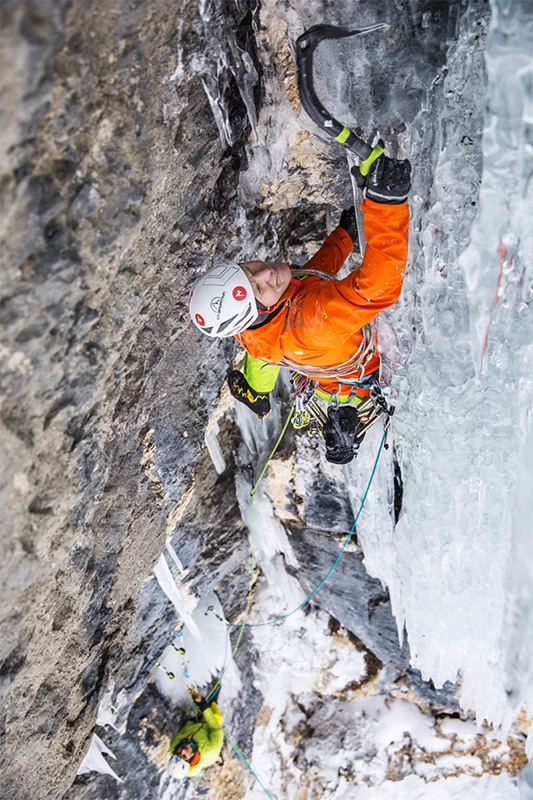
(247, 764)
(334, 565)
(242, 625)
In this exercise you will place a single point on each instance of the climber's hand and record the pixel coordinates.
(348, 223)
(388, 181)
(202, 703)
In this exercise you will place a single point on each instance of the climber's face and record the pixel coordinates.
(269, 280)
(184, 751)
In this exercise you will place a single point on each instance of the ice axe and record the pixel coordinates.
(306, 45)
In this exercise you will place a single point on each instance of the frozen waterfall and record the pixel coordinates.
(461, 579)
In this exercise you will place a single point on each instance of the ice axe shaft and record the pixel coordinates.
(306, 45)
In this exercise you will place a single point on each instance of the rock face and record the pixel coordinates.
(119, 184)
(100, 367)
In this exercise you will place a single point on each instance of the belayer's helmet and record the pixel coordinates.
(178, 768)
(222, 301)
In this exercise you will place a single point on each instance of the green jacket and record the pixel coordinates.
(208, 735)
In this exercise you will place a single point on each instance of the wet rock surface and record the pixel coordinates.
(98, 360)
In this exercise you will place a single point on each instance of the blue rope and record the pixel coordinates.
(247, 764)
(345, 545)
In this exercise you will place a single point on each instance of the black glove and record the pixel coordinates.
(340, 434)
(200, 701)
(243, 392)
(389, 180)
(348, 223)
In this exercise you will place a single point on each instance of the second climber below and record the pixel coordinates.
(316, 325)
(198, 743)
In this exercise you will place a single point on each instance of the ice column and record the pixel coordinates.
(502, 236)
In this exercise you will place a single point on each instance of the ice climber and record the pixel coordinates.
(198, 743)
(315, 324)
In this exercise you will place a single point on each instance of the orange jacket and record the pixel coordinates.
(321, 321)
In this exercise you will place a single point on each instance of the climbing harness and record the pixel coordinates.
(306, 45)
(310, 413)
(344, 373)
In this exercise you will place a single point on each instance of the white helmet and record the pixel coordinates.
(222, 301)
(178, 768)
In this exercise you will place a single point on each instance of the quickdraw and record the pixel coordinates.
(308, 412)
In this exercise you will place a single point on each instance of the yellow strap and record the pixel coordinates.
(343, 135)
(364, 166)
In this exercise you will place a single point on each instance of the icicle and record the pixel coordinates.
(176, 597)
(175, 558)
(109, 711)
(218, 107)
(246, 76)
(94, 761)
(213, 446)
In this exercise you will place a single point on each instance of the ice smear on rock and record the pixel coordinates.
(224, 55)
(187, 661)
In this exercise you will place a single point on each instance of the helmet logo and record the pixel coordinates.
(200, 320)
(216, 305)
(239, 293)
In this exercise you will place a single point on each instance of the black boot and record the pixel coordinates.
(243, 392)
(340, 434)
